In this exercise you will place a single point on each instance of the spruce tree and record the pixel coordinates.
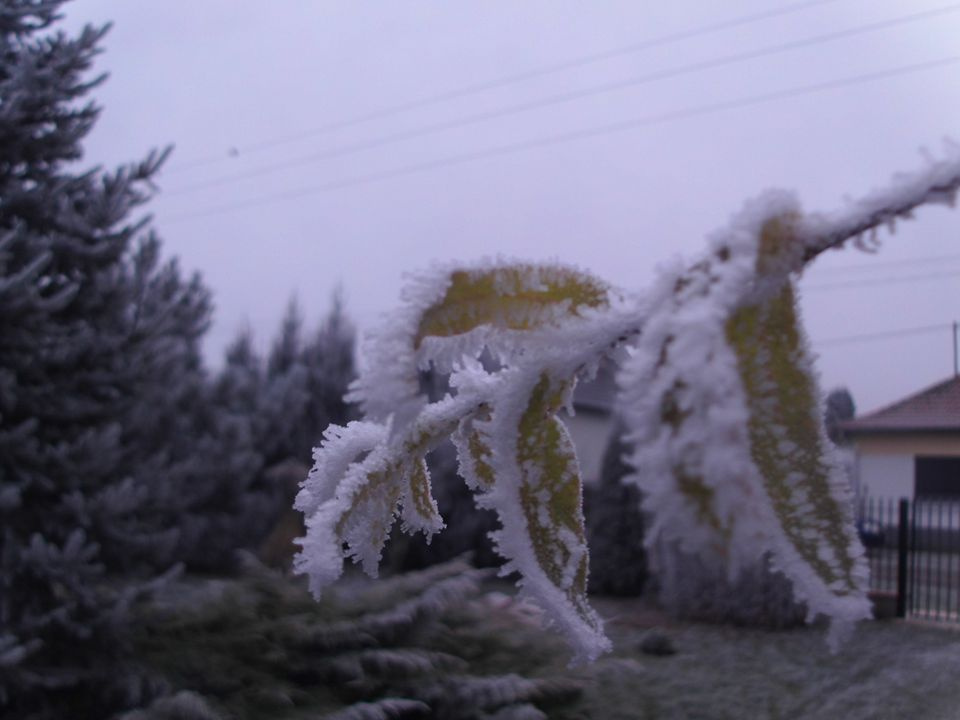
(98, 359)
(271, 413)
(328, 359)
(284, 398)
(304, 383)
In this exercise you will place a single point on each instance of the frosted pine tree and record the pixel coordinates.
(98, 356)
(264, 418)
(717, 388)
(284, 398)
(304, 382)
(328, 356)
(290, 398)
(240, 506)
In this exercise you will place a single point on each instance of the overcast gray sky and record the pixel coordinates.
(653, 166)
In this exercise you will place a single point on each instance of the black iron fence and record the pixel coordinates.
(913, 548)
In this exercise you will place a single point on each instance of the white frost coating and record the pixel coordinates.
(936, 183)
(575, 346)
(584, 629)
(359, 514)
(388, 383)
(366, 527)
(320, 557)
(341, 447)
(361, 510)
(347, 514)
(687, 410)
(466, 463)
(412, 517)
(685, 392)
(842, 604)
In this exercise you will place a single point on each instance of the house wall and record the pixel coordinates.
(590, 432)
(885, 463)
(888, 475)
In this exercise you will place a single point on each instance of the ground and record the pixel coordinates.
(888, 669)
(265, 649)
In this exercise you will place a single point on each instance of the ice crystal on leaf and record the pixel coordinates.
(717, 387)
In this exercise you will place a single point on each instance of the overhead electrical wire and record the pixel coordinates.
(869, 337)
(893, 280)
(561, 138)
(543, 71)
(883, 265)
(562, 98)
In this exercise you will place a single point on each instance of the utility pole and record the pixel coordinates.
(956, 369)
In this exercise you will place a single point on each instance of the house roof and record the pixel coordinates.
(935, 409)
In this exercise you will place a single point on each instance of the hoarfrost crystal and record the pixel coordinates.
(716, 384)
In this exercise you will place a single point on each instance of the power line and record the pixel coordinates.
(881, 265)
(561, 98)
(882, 281)
(514, 148)
(869, 337)
(543, 71)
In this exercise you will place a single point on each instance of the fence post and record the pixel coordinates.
(902, 535)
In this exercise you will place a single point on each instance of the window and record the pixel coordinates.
(937, 476)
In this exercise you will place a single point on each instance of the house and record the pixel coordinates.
(910, 448)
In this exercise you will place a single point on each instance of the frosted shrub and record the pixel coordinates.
(716, 386)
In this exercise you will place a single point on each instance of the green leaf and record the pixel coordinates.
(475, 454)
(550, 496)
(366, 521)
(392, 474)
(698, 493)
(420, 509)
(786, 441)
(515, 297)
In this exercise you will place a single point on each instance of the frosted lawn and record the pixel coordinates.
(885, 670)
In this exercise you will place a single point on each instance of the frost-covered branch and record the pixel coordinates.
(939, 183)
(717, 387)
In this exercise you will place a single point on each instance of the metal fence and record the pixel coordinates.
(913, 548)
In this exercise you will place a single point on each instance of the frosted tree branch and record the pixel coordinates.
(939, 183)
(717, 387)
